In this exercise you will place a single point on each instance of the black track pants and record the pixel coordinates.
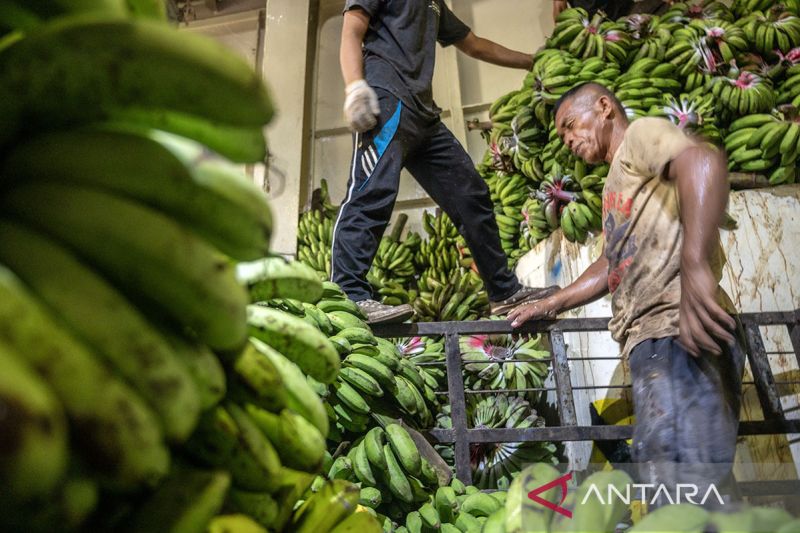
(442, 167)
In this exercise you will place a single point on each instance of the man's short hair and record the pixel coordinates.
(578, 90)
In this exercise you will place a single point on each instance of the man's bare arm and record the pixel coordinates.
(590, 286)
(354, 28)
(491, 52)
(701, 177)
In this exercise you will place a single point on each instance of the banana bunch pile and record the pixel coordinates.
(495, 465)
(742, 92)
(651, 33)
(789, 88)
(459, 297)
(315, 239)
(763, 142)
(706, 43)
(486, 368)
(508, 194)
(776, 29)
(691, 112)
(428, 356)
(393, 265)
(569, 204)
(644, 84)
(452, 509)
(742, 8)
(584, 37)
(443, 252)
(685, 12)
(387, 466)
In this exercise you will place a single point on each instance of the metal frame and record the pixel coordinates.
(461, 436)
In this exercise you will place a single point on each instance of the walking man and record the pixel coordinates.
(387, 60)
(663, 202)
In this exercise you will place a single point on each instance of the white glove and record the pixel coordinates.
(361, 106)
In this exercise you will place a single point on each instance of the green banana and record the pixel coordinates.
(341, 304)
(238, 144)
(204, 366)
(446, 503)
(467, 523)
(299, 444)
(344, 319)
(361, 381)
(34, 430)
(396, 478)
(361, 468)
(228, 523)
(260, 506)
(128, 452)
(275, 277)
(254, 378)
(342, 468)
(319, 316)
(108, 323)
(193, 284)
(301, 343)
(373, 446)
(185, 503)
(351, 398)
(357, 336)
(480, 504)
(405, 449)
(227, 437)
(495, 523)
(325, 509)
(430, 516)
(166, 173)
(358, 522)
(382, 374)
(141, 63)
(301, 398)
(370, 497)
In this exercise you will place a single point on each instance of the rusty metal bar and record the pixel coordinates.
(762, 374)
(564, 397)
(458, 408)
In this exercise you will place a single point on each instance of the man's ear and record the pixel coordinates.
(605, 108)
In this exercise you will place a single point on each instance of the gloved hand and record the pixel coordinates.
(361, 106)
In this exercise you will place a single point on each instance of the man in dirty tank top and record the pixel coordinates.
(663, 202)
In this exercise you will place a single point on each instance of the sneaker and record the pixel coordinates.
(378, 313)
(523, 296)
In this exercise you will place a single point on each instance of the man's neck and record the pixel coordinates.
(617, 134)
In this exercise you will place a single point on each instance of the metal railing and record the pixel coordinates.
(462, 436)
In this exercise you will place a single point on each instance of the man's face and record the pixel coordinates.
(580, 123)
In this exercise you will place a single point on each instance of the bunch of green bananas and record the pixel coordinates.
(743, 92)
(652, 35)
(387, 466)
(706, 42)
(452, 509)
(771, 31)
(459, 297)
(315, 238)
(440, 254)
(586, 37)
(743, 8)
(428, 356)
(394, 262)
(691, 112)
(643, 85)
(685, 12)
(768, 144)
(485, 368)
(563, 204)
(495, 465)
(508, 193)
(789, 88)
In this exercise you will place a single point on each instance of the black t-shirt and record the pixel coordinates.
(613, 8)
(399, 47)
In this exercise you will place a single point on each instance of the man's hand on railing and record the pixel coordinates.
(545, 309)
